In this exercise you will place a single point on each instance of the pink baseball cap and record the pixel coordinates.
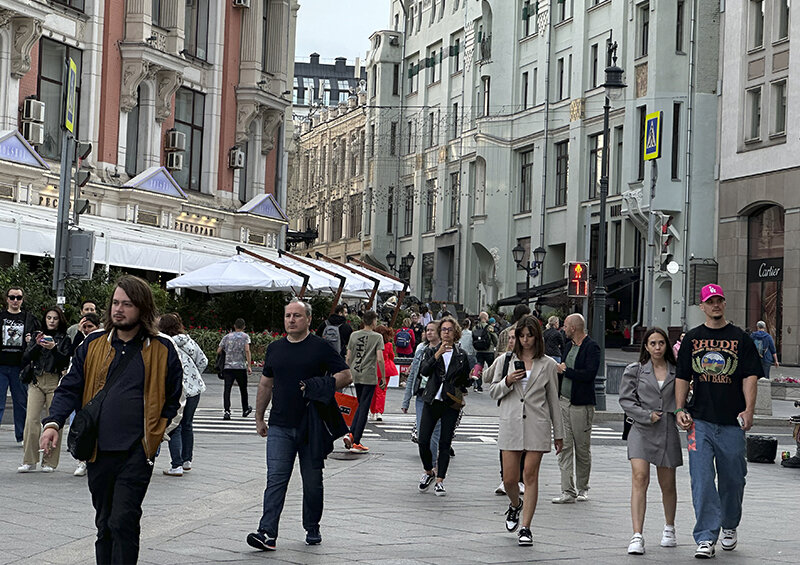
(711, 290)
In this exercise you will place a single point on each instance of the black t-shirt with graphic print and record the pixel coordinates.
(717, 361)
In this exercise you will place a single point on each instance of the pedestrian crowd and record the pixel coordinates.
(137, 379)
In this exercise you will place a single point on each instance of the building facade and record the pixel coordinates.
(318, 84)
(488, 119)
(185, 104)
(759, 163)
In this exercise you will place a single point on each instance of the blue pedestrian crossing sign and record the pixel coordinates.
(652, 136)
(72, 84)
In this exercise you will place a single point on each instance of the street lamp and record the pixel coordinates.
(614, 86)
(391, 259)
(531, 268)
(404, 270)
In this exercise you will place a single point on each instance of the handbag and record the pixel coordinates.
(348, 404)
(626, 427)
(220, 364)
(452, 396)
(28, 374)
(84, 430)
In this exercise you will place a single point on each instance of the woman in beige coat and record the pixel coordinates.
(527, 395)
(647, 395)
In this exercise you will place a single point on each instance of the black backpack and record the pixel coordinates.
(481, 340)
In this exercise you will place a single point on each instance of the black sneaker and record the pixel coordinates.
(226, 415)
(452, 452)
(260, 541)
(313, 537)
(439, 490)
(247, 411)
(791, 463)
(525, 536)
(512, 517)
(425, 481)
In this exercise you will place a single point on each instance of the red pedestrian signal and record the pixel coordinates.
(578, 286)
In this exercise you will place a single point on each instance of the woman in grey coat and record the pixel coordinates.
(647, 395)
(530, 416)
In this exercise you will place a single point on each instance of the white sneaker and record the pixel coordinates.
(583, 496)
(20, 444)
(668, 538)
(705, 550)
(728, 539)
(26, 468)
(521, 488)
(636, 547)
(371, 417)
(501, 489)
(80, 470)
(187, 465)
(378, 418)
(174, 471)
(565, 498)
(47, 469)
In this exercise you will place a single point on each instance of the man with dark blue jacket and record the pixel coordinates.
(577, 374)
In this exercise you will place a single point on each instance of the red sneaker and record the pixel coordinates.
(348, 441)
(358, 448)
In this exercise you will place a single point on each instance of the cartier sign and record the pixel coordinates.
(765, 270)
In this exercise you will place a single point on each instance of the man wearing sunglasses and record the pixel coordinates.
(16, 327)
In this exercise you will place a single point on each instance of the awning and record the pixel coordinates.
(386, 284)
(30, 230)
(238, 272)
(555, 287)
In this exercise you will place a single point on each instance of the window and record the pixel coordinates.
(337, 210)
(455, 54)
(486, 83)
(356, 209)
(410, 25)
(679, 16)
(75, 4)
(535, 84)
(524, 91)
(362, 146)
(431, 130)
(477, 185)
(563, 10)
(594, 68)
(562, 171)
(525, 180)
(265, 34)
(196, 39)
(374, 77)
(189, 119)
(643, 29)
(782, 19)
(413, 76)
(756, 24)
(595, 163)
(455, 120)
(753, 126)
(560, 79)
(51, 72)
(325, 90)
(433, 12)
(408, 211)
(367, 227)
(642, 126)
(132, 137)
(344, 90)
(419, 16)
(396, 79)
(372, 140)
(434, 57)
(618, 175)
(778, 108)
(323, 165)
(390, 210)
(526, 18)
(430, 205)
(676, 140)
(353, 152)
(455, 199)
(296, 92)
(410, 137)
(243, 181)
(393, 139)
(308, 86)
(155, 13)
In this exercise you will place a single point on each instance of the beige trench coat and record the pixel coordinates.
(528, 417)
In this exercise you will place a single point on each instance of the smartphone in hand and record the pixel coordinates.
(519, 365)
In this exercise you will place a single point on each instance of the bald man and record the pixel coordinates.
(577, 375)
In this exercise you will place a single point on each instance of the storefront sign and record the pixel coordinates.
(197, 229)
(765, 270)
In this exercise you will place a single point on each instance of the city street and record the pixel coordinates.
(374, 513)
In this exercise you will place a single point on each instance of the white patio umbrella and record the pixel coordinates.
(238, 272)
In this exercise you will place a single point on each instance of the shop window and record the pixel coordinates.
(765, 266)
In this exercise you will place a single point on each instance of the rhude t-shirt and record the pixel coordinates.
(289, 363)
(717, 361)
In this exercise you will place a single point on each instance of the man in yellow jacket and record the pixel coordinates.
(142, 398)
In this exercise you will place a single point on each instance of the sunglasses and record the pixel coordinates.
(15, 297)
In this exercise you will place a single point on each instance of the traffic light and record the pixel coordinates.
(666, 239)
(82, 150)
(578, 280)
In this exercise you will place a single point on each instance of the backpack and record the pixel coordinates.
(480, 338)
(332, 336)
(403, 338)
(761, 346)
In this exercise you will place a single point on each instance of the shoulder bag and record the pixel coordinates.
(628, 423)
(84, 430)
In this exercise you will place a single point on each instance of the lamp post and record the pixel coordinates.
(404, 270)
(614, 86)
(531, 268)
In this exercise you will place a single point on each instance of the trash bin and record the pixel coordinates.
(613, 377)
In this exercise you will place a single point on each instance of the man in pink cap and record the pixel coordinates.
(722, 363)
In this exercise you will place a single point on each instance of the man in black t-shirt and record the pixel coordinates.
(722, 363)
(288, 362)
(16, 329)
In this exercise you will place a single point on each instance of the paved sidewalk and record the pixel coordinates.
(374, 513)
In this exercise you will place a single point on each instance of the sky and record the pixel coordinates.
(338, 28)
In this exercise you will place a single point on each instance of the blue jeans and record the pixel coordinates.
(437, 431)
(9, 378)
(716, 450)
(283, 444)
(181, 442)
(766, 365)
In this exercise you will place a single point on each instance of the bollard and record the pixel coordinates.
(600, 392)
